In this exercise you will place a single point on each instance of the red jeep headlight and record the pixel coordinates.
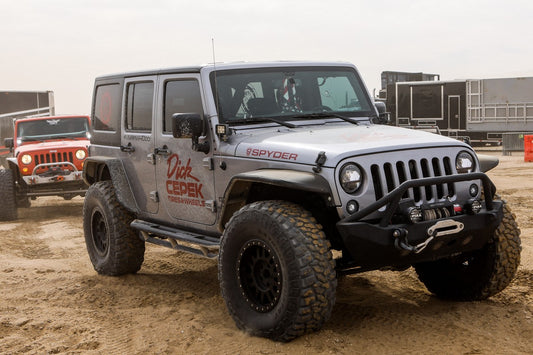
(80, 154)
(26, 159)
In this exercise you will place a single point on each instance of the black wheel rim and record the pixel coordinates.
(99, 232)
(260, 277)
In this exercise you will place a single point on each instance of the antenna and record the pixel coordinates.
(215, 71)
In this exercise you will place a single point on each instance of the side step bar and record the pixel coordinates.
(199, 244)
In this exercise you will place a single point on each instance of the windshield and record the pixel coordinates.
(251, 94)
(54, 128)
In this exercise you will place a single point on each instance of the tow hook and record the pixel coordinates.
(401, 242)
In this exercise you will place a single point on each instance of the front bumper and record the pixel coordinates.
(375, 244)
(54, 174)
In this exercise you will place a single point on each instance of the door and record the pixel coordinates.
(454, 112)
(137, 140)
(185, 177)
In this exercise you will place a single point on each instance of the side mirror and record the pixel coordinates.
(190, 125)
(8, 142)
(383, 117)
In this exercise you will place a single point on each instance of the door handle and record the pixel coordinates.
(162, 151)
(127, 148)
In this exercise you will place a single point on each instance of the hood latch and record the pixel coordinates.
(320, 160)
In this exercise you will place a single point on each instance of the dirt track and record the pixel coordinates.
(52, 301)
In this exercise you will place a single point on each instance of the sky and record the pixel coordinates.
(62, 45)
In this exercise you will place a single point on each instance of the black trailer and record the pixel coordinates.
(478, 111)
(389, 78)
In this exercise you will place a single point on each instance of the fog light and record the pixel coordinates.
(415, 214)
(476, 206)
(352, 206)
(474, 190)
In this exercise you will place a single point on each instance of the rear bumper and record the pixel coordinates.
(375, 244)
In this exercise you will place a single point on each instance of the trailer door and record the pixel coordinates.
(454, 112)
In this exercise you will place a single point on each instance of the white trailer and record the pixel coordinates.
(499, 105)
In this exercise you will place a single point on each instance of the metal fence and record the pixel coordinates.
(513, 142)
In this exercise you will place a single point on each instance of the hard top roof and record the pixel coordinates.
(223, 66)
(36, 118)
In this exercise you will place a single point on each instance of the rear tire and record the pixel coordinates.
(276, 271)
(479, 274)
(8, 207)
(114, 248)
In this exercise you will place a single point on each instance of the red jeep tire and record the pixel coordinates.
(8, 207)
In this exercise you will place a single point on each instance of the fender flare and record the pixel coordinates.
(240, 184)
(98, 168)
(12, 163)
(487, 162)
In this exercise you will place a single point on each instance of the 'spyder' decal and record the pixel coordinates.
(264, 153)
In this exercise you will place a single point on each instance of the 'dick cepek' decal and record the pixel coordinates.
(182, 186)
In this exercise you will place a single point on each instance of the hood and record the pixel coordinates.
(51, 145)
(338, 141)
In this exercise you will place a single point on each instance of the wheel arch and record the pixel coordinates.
(271, 184)
(99, 168)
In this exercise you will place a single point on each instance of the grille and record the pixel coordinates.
(386, 177)
(54, 158)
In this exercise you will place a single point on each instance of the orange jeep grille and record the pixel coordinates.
(53, 157)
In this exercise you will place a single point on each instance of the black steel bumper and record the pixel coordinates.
(376, 245)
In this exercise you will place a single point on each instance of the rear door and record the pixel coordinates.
(185, 177)
(454, 112)
(137, 141)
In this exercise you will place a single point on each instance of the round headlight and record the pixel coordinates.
(80, 154)
(26, 159)
(351, 178)
(464, 163)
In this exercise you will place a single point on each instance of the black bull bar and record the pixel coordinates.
(374, 244)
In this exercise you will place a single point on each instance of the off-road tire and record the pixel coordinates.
(480, 274)
(276, 270)
(8, 207)
(114, 247)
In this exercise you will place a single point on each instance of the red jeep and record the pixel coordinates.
(49, 153)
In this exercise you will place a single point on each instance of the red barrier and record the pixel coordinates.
(528, 148)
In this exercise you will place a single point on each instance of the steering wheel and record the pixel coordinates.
(322, 108)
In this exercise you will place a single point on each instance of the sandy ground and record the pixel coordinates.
(52, 301)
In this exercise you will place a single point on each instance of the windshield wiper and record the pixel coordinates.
(325, 115)
(63, 136)
(259, 119)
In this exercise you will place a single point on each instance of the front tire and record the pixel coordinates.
(8, 207)
(276, 271)
(479, 274)
(114, 248)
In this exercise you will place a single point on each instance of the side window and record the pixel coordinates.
(139, 104)
(107, 107)
(181, 96)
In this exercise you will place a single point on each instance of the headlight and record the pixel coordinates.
(464, 163)
(351, 178)
(26, 159)
(80, 154)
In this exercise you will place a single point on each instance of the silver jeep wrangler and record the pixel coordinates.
(283, 172)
